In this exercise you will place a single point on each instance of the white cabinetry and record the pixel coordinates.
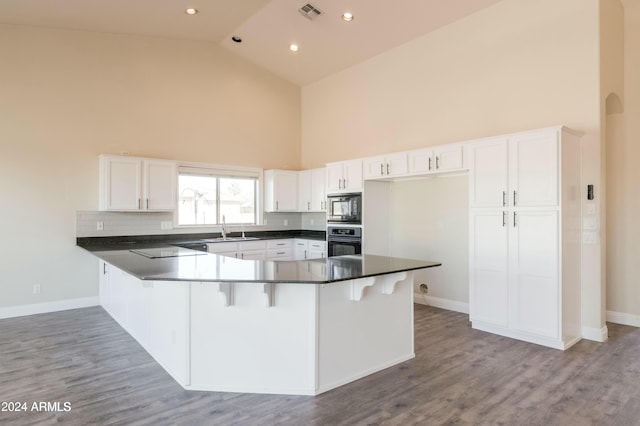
(280, 249)
(312, 190)
(280, 191)
(344, 176)
(440, 159)
(388, 166)
(254, 250)
(309, 249)
(137, 184)
(155, 315)
(525, 236)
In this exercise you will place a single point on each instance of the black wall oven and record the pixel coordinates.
(344, 208)
(344, 240)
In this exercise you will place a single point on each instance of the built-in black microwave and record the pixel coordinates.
(344, 208)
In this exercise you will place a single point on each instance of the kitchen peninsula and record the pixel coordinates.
(218, 323)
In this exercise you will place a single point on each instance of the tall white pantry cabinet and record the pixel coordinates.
(525, 236)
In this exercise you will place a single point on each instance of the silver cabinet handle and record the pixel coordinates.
(437, 162)
(515, 215)
(514, 197)
(308, 205)
(387, 168)
(429, 163)
(504, 219)
(381, 169)
(504, 198)
(281, 252)
(147, 204)
(139, 204)
(276, 205)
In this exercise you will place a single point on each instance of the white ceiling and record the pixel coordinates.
(267, 27)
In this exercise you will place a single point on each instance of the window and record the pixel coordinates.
(206, 196)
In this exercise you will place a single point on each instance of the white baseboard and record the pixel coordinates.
(436, 302)
(624, 319)
(595, 334)
(43, 308)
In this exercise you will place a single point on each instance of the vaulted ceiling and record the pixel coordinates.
(327, 43)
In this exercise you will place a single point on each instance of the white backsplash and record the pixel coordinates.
(134, 223)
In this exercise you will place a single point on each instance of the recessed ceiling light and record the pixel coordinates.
(236, 39)
(294, 47)
(347, 17)
(191, 11)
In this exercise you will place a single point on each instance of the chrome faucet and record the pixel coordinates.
(224, 228)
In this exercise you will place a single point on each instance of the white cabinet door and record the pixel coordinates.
(488, 260)
(334, 177)
(281, 190)
(488, 183)
(318, 190)
(420, 161)
(387, 166)
(317, 249)
(345, 176)
(312, 190)
(137, 184)
(352, 172)
(447, 158)
(533, 169)
(120, 184)
(160, 182)
(300, 249)
(396, 164)
(104, 285)
(534, 272)
(374, 168)
(304, 191)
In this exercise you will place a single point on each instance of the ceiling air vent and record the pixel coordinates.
(309, 11)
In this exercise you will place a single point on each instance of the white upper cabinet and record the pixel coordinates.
(439, 159)
(488, 182)
(387, 166)
(280, 191)
(533, 169)
(517, 171)
(345, 176)
(159, 180)
(137, 184)
(311, 190)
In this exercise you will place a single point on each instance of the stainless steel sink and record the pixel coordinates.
(223, 239)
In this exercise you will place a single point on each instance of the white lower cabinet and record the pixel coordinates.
(489, 274)
(309, 249)
(280, 249)
(148, 311)
(515, 275)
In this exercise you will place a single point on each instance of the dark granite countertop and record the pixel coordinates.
(149, 241)
(191, 265)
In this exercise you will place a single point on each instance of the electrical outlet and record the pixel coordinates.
(37, 289)
(312, 222)
(166, 224)
(424, 288)
(99, 226)
(286, 222)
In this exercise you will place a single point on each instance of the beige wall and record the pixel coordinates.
(515, 66)
(623, 177)
(67, 96)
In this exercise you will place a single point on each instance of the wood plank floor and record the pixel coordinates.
(459, 376)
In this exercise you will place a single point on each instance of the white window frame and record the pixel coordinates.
(221, 171)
